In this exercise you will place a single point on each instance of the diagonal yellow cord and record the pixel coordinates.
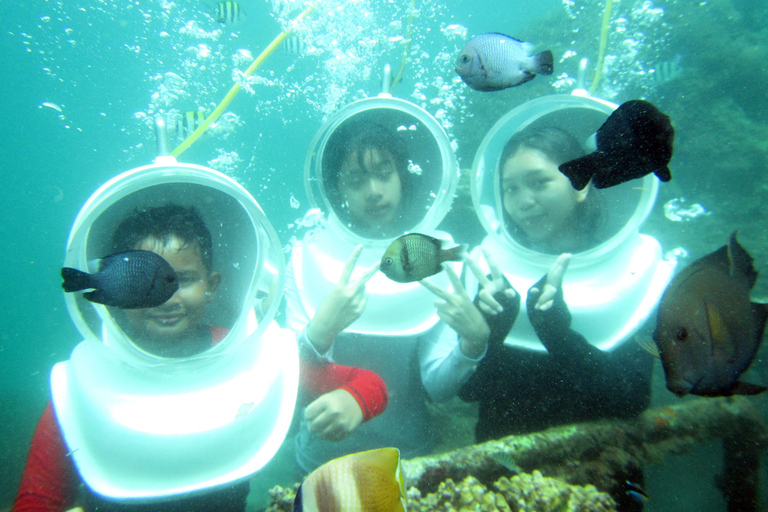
(603, 45)
(236, 88)
(407, 48)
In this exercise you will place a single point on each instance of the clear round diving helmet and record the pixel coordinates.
(371, 144)
(199, 391)
(616, 278)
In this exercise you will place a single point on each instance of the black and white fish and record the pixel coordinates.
(493, 61)
(228, 12)
(183, 125)
(667, 71)
(294, 45)
(127, 280)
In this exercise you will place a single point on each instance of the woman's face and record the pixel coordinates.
(373, 192)
(538, 197)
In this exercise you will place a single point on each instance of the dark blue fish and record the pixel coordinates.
(127, 280)
(635, 492)
(492, 62)
(634, 141)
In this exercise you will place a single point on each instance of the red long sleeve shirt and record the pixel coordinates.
(50, 481)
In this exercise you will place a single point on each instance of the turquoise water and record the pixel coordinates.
(81, 80)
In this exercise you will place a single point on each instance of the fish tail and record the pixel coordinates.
(581, 170)
(543, 63)
(454, 253)
(75, 280)
(663, 174)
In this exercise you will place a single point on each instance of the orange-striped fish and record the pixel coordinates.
(365, 482)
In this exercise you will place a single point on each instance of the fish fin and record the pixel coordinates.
(543, 63)
(505, 36)
(760, 312)
(298, 506)
(717, 329)
(740, 262)
(581, 170)
(99, 297)
(75, 280)
(663, 174)
(385, 459)
(647, 344)
(457, 253)
(745, 388)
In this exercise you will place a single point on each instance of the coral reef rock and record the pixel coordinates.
(537, 493)
(521, 493)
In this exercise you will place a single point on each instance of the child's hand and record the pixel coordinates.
(334, 415)
(342, 306)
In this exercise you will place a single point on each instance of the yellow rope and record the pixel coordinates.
(603, 45)
(236, 88)
(407, 48)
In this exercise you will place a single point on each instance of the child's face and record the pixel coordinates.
(537, 196)
(181, 316)
(373, 192)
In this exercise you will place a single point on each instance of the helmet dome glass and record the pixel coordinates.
(381, 167)
(225, 254)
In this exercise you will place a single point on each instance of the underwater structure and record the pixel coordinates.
(571, 467)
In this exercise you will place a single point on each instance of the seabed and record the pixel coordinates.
(570, 467)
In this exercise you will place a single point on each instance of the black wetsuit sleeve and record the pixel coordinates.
(620, 377)
(553, 327)
(500, 324)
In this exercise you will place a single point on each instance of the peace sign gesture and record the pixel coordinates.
(342, 306)
(457, 310)
(490, 287)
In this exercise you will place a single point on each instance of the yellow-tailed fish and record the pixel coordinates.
(708, 330)
(414, 256)
(369, 481)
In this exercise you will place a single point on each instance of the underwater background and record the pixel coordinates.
(82, 80)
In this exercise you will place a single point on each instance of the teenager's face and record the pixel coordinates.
(374, 192)
(538, 197)
(181, 316)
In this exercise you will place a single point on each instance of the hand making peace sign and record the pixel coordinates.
(342, 306)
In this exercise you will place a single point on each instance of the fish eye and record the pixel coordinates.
(682, 335)
(387, 261)
(464, 58)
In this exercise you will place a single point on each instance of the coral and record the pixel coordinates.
(282, 499)
(469, 495)
(537, 493)
(521, 493)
